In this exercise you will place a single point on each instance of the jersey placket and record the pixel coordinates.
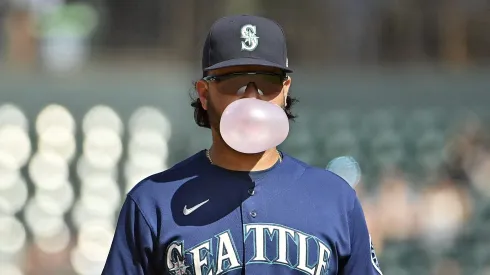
(253, 212)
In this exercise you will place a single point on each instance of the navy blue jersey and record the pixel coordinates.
(197, 218)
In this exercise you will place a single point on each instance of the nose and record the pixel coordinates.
(250, 91)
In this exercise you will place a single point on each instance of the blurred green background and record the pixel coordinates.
(95, 95)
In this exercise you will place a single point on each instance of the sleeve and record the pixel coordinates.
(132, 245)
(363, 258)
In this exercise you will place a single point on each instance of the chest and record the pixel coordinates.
(260, 229)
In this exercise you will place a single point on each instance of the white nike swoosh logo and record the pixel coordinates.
(188, 211)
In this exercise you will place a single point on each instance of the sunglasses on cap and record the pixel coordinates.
(268, 83)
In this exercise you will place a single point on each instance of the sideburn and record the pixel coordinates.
(213, 116)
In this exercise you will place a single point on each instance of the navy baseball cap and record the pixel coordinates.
(245, 40)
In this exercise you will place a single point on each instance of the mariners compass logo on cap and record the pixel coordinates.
(251, 40)
(254, 41)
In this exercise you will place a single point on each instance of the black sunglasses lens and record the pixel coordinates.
(268, 83)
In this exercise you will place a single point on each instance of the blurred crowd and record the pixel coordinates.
(338, 32)
(438, 222)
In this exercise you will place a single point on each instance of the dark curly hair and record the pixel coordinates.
(201, 115)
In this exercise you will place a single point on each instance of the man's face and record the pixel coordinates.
(215, 96)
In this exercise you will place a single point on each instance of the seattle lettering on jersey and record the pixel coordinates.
(204, 260)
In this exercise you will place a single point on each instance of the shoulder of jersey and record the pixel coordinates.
(323, 176)
(177, 173)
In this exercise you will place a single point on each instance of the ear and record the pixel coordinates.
(202, 89)
(285, 90)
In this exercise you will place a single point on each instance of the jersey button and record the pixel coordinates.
(251, 192)
(253, 214)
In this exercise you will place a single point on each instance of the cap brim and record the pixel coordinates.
(247, 61)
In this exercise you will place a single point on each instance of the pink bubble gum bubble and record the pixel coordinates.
(252, 126)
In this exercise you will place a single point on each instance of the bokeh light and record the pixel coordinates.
(102, 117)
(12, 235)
(59, 140)
(54, 241)
(148, 118)
(56, 201)
(15, 143)
(102, 147)
(10, 114)
(93, 244)
(100, 194)
(87, 169)
(55, 115)
(42, 222)
(48, 170)
(10, 269)
(13, 194)
(81, 214)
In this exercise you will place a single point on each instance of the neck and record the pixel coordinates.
(224, 156)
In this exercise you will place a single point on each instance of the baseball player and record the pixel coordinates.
(224, 212)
